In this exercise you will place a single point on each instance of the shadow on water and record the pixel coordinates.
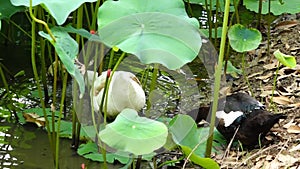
(27, 147)
(16, 58)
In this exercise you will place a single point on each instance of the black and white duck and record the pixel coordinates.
(244, 113)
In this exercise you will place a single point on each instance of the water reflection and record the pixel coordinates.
(6, 159)
(27, 147)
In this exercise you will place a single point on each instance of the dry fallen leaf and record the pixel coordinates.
(290, 123)
(281, 77)
(268, 93)
(282, 100)
(271, 65)
(267, 164)
(294, 129)
(268, 87)
(265, 77)
(255, 74)
(287, 160)
(295, 148)
(294, 48)
(225, 90)
(52, 106)
(34, 118)
(287, 91)
(295, 105)
(275, 164)
(286, 24)
(258, 165)
(269, 158)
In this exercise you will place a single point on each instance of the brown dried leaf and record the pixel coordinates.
(286, 71)
(295, 148)
(34, 118)
(268, 87)
(275, 164)
(267, 164)
(295, 105)
(287, 46)
(282, 100)
(52, 106)
(293, 53)
(289, 90)
(289, 124)
(293, 129)
(268, 93)
(286, 24)
(261, 157)
(285, 93)
(255, 74)
(271, 65)
(265, 76)
(282, 76)
(259, 164)
(287, 160)
(225, 90)
(294, 48)
(30, 117)
(269, 157)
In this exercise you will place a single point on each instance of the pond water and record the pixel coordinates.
(27, 147)
(16, 58)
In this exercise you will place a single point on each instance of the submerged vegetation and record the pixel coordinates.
(167, 44)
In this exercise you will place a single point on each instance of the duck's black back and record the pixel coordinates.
(256, 126)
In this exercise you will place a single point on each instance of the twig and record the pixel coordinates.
(285, 144)
(255, 154)
(230, 143)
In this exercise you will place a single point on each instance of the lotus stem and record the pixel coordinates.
(218, 80)
(40, 21)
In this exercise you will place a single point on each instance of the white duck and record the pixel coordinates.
(125, 91)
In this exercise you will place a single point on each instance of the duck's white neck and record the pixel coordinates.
(228, 117)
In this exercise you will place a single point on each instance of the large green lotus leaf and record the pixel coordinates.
(184, 130)
(59, 9)
(277, 8)
(82, 32)
(155, 31)
(205, 32)
(242, 39)
(134, 134)
(7, 9)
(286, 60)
(65, 129)
(185, 133)
(67, 50)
